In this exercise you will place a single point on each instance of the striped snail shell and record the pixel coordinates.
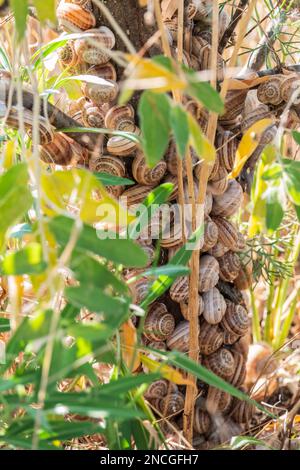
(242, 345)
(74, 109)
(112, 166)
(184, 307)
(159, 323)
(234, 105)
(157, 389)
(241, 243)
(228, 203)
(86, 4)
(217, 401)
(218, 250)
(211, 234)
(158, 345)
(208, 203)
(230, 266)
(135, 194)
(269, 92)
(289, 86)
(236, 319)
(171, 159)
(121, 146)
(120, 118)
(92, 116)
(67, 55)
(171, 236)
(199, 10)
(244, 278)
(149, 250)
(172, 404)
(229, 337)
(91, 53)
(241, 411)
(219, 182)
(252, 116)
(101, 93)
(139, 290)
(145, 175)
(179, 291)
(174, 180)
(228, 233)
(226, 144)
(106, 71)
(179, 339)
(202, 421)
(239, 375)
(209, 273)
(58, 151)
(210, 338)
(46, 133)
(72, 17)
(203, 51)
(214, 306)
(221, 362)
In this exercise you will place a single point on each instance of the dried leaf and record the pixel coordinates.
(167, 372)
(128, 337)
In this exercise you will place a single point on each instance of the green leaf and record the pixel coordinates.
(29, 260)
(20, 11)
(15, 197)
(166, 270)
(291, 177)
(4, 60)
(164, 61)
(297, 209)
(112, 180)
(124, 384)
(118, 250)
(273, 172)
(180, 128)
(46, 10)
(296, 136)
(203, 148)
(274, 210)
(154, 111)
(237, 442)
(207, 95)
(4, 325)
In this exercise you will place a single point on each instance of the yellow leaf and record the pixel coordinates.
(148, 74)
(9, 154)
(143, 3)
(258, 214)
(248, 144)
(128, 341)
(166, 371)
(204, 149)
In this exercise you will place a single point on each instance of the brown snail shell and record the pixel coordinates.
(112, 166)
(202, 50)
(174, 181)
(106, 71)
(244, 278)
(159, 323)
(145, 175)
(269, 92)
(58, 151)
(242, 345)
(236, 319)
(92, 116)
(202, 421)
(135, 194)
(72, 16)
(218, 401)
(242, 411)
(218, 250)
(210, 338)
(228, 203)
(120, 118)
(139, 290)
(171, 159)
(171, 404)
(185, 308)
(214, 306)
(88, 52)
(179, 339)
(67, 55)
(211, 234)
(46, 132)
(288, 87)
(239, 375)
(229, 337)
(157, 389)
(102, 93)
(228, 233)
(221, 362)
(251, 117)
(121, 146)
(179, 291)
(209, 273)
(219, 182)
(234, 105)
(227, 146)
(230, 265)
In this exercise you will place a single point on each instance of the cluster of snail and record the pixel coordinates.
(223, 317)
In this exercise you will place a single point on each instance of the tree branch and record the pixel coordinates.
(228, 33)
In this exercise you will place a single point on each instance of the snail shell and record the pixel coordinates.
(171, 159)
(242, 345)
(234, 105)
(288, 87)
(179, 291)
(242, 411)
(202, 421)
(171, 236)
(88, 52)
(135, 194)
(86, 4)
(211, 234)
(230, 338)
(171, 404)
(149, 250)
(159, 323)
(120, 118)
(106, 71)
(58, 151)
(228, 233)
(46, 133)
(209, 273)
(239, 375)
(179, 339)
(102, 93)
(236, 319)
(227, 145)
(145, 175)
(92, 116)
(214, 306)
(157, 389)
(121, 146)
(220, 362)
(228, 203)
(218, 401)
(158, 345)
(210, 338)
(230, 266)
(139, 290)
(219, 182)
(185, 308)
(269, 92)
(218, 250)
(71, 16)
(174, 180)
(112, 166)
(67, 55)
(251, 117)
(202, 50)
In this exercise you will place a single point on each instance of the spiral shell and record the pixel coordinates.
(226, 145)
(135, 194)
(102, 93)
(251, 117)
(244, 278)
(179, 339)
(228, 233)
(228, 203)
(58, 151)
(106, 71)
(209, 273)
(92, 116)
(89, 52)
(145, 175)
(174, 181)
(202, 50)
(234, 105)
(112, 166)
(214, 306)
(210, 338)
(218, 401)
(120, 118)
(171, 159)
(242, 411)
(239, 375)
(230, 266)
(171, 236)
(171, 404)
(211, 234)
(67, 55)
(220, 362)
(46, 132)
(289, 86)
(202, 421)
(218, 250)
(185, 308)
(72, 16)
(139, 290)
(219, 182)
(179, 291)
(121, 146)
(157, 389)
(159, 323)
(235, 319)
(269, 92)
(230, 338)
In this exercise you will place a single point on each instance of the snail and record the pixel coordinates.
(214, 306)
(145, 175)
(58, 151)
(92, 116)
(179, 339)
(72, 16)
(179, 291)
(88, 49)
(210, 338)
(209, 273)
(269, 92)
(230, 266)
(159, 323)
(211, 235)
(235, 319)
(229, 202)
(202, 421)
(221, 362)
(218, 401)
(112, 166)
(228, 233)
